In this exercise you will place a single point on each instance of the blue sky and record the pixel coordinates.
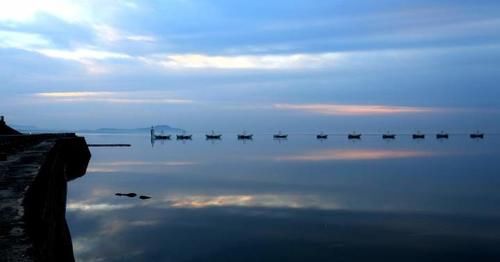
(256, 65)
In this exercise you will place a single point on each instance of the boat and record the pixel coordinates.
(388, 136)
(418, 135)
(442, 135)
(280, 135)
(322, 136)
(353, 135)
(477, 135)
(184, 137)
(245, 136)
(161, 136)
(213, 135)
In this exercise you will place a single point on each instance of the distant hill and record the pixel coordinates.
(145, 130)
(33, 129)
(158, 128)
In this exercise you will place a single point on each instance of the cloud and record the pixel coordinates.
(74, 94)
(141, 38)
(259, 62)
(108, 33)
(353, 110)
(26, 10)
(112, 97)
(21, 40)
(87, 57)
(355, 154)
(39, 44)
(82, 54)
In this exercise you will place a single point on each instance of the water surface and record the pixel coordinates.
(294, 200)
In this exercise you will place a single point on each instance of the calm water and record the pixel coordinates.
(294, 200)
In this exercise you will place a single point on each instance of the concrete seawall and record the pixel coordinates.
(34, 171)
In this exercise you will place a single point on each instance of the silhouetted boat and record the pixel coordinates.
(213, 135)
(388, 136)
(280, 135)
(442, 135)
(353, 135)
(244, 136)
(184, 137)
(160, 136)
(477, 135)
(418, 135)
(322, 136)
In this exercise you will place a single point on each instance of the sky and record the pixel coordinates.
(226, 65)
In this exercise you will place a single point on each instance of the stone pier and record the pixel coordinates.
(34, 171)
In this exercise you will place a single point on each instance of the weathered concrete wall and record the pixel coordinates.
(33, 184)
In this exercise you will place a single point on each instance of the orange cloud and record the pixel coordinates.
(336, 109)
(112, 97)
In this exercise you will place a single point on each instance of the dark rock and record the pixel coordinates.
(144, 197)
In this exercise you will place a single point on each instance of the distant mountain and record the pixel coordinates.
(166, 128)
(158, 128)
(24, 127)
(33, 129)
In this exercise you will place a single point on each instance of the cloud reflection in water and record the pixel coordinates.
(120, 166)
(98, 205)
(355, 154)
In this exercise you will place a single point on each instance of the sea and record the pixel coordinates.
(295, 199)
